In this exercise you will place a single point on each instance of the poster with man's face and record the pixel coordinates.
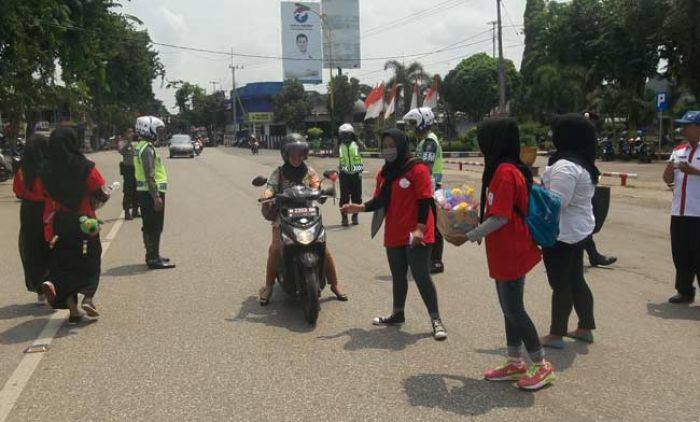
(301, 42)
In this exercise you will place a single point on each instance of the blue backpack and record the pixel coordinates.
(543, 216)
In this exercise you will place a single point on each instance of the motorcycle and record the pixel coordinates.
(303, 240)
(607, 152)
(198, 147)
(624, 149)
(7, 166)
(254, 147)
(643, 151)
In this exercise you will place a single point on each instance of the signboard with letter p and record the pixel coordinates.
(661, 101)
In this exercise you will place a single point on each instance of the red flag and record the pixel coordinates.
(391, 107)
(375, 102)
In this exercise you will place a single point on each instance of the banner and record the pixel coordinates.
(301, 42)
(391, 107)
(374, 102)
(414, 97)
(341, 37)
(430, 99)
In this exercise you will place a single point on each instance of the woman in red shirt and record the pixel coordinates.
(510, 251)
(27, 186)
(74, 188)
(402, 197)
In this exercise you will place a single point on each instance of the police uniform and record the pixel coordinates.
(351, 168)
(429, 151)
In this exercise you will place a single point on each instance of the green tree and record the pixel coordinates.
(291, 106)
(345, 93)
(472, 87)
(681, 43)
(404, 77)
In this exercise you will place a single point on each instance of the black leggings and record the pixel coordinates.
(564, 265)
(519, 326)
(418, 259)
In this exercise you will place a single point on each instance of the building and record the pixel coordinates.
(254, 111)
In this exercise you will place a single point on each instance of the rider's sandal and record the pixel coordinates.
(339, 296)
(264, 301)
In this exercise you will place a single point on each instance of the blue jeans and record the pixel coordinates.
(519, 326)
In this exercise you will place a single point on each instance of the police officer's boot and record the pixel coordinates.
(355, 219)
(158, 263)
(344, 219)
(151, 259)
(162, 258)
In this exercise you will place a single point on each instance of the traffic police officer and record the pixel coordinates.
(429, 150)
(351, 168)
(151, 185)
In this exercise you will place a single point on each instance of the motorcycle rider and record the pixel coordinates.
(429, 150)
(294, 171)
(151, 185)
(351, 168)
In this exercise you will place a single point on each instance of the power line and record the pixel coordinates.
(505, 9)
(422, 14)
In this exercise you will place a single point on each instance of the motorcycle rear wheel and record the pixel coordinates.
(309, 299)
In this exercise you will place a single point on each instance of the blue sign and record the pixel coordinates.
(661, 101)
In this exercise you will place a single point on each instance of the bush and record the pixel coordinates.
(533, 134)
(463, 143)
(314, 133)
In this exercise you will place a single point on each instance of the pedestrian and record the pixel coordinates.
(572, 175)
(403, 197)
(125, 147)
(351, 168)
(683, 170)
(294, 172)
(429, 150)
(74, 189)
(151, 185)
(27, 186)
(510, 251)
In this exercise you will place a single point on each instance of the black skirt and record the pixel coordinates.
(33, 249)
(75, 268)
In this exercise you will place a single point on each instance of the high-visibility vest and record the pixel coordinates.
(161, 175)
(350, 158)
(435, 157)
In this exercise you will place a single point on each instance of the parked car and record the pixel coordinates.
(181, 145)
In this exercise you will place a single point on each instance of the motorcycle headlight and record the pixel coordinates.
(305, 236)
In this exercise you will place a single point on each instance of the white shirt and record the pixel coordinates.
(686, 191)
(572, 183)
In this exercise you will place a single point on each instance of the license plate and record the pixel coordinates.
(302, 212)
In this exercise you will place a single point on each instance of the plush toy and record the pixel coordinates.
(90, 226)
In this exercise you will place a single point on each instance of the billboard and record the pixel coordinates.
(301, 42)
(341, 40)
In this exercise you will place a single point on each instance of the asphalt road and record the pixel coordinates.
(193, 344)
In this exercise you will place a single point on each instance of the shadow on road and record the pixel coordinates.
(463, 396)
(24, 332)
(561, 359)
(126, 270)
(667, 310)
(23, 310)
(282, 312)
(387, 338)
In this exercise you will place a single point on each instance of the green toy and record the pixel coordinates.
(90, 226)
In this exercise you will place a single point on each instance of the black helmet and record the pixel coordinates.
(294, 141)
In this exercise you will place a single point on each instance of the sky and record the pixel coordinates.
(387, 28)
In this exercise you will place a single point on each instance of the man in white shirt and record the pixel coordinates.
(683, 170)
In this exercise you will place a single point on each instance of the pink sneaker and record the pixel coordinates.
(49, 291)
(508, 371)
(537, 377)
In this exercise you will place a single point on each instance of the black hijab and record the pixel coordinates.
(65, 168)
(33, 156)
(393, 170)
(499, 141)
(574, 137)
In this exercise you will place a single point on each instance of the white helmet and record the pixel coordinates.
(346, 131)
(422, 117)
(147, 126)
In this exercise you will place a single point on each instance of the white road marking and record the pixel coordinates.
(20, 377)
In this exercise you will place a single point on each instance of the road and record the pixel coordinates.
(193, 344)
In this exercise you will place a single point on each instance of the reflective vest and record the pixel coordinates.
(161, 175)
(435, 157)
(350, 158)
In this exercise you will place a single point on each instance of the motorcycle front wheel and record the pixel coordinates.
(310, 297)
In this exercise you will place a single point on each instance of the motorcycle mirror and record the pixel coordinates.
(259, 181)
(331, 174)
(329, 191)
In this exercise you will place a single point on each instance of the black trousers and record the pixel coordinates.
(152, 220)
(519, 326)
(564, 265)
(418, 260)
(129, 201)
(685, 246)
(439, 244)
(33, 249)
(75, 268)
(350, 188)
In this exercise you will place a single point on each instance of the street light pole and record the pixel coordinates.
(501, 66)
(234, 96)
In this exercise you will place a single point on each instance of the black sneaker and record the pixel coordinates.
(75, 319)
(603, 261)
(355, 220)
(682, 298)
(437, 268)
(394, 319)
(439, 332)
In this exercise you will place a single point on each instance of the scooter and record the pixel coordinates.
(624, 149)
(6, 170)
(303, 240)
(198, 147)
(254, 147)
(643, 151)
(607, 152)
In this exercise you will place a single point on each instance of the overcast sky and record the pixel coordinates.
(253, 27)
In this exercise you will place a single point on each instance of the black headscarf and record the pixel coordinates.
(574, 138)
(395, 169)
(65, 168)
(33, 157)
(499, 141)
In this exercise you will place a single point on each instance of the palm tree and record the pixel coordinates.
(405, 77)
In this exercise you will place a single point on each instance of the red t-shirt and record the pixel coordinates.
(35, 193)
(402, 214)
(510, 250)
(93, 183)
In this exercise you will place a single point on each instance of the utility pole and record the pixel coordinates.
(501, 66)
(234, 96)
(213, 86)
(493, 36)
